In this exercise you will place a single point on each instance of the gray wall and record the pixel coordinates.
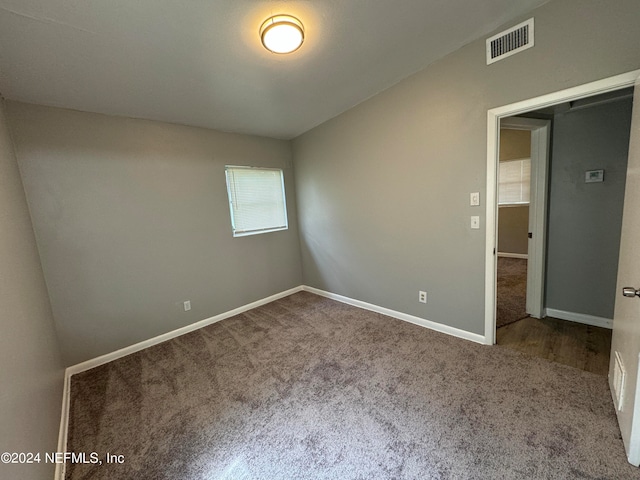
(585, 218)
(32, 373)
(513, 227)
(131, 219)
(383, 189)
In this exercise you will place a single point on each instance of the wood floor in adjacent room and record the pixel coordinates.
(574, 344)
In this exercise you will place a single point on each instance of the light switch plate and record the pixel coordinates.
(475, 222)
(474, 199)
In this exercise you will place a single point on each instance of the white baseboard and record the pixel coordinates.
(64, 425)
(438, 327)
(579, 318)
(513, 255)
(123, 352)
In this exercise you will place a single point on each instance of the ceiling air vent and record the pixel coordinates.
(510, 42)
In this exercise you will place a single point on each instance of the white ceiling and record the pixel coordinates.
(200, 62)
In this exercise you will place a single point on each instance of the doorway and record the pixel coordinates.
(495, 117)
(521, 221)
(568, 316)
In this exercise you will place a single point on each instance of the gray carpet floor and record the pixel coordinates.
(511, 295)
(309, 388)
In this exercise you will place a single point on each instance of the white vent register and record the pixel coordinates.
(619, 375)
(511, 41)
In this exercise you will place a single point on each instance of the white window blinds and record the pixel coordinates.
(256, 200)
(514, 185)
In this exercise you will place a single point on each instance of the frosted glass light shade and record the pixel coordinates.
(282, 34)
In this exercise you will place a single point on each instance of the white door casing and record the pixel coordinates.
(626, 318)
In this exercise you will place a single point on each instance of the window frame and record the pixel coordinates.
(246, 233)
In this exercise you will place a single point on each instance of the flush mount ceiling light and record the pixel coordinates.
(282, 34)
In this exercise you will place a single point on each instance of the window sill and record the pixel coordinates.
(258, 232)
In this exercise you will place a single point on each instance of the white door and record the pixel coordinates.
(625, 346)
(537, 216)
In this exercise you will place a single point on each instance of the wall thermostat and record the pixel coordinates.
(593, 176)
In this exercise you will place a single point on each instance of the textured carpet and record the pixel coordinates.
(306, 388)
(511, 301)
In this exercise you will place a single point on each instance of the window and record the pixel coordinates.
(256, 200)
(514, 183)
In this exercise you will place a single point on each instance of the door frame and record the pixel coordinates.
(540, 136)
(494, 116)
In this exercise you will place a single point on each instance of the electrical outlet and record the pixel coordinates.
(187, 305)
(422, 296)
(474, 199)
